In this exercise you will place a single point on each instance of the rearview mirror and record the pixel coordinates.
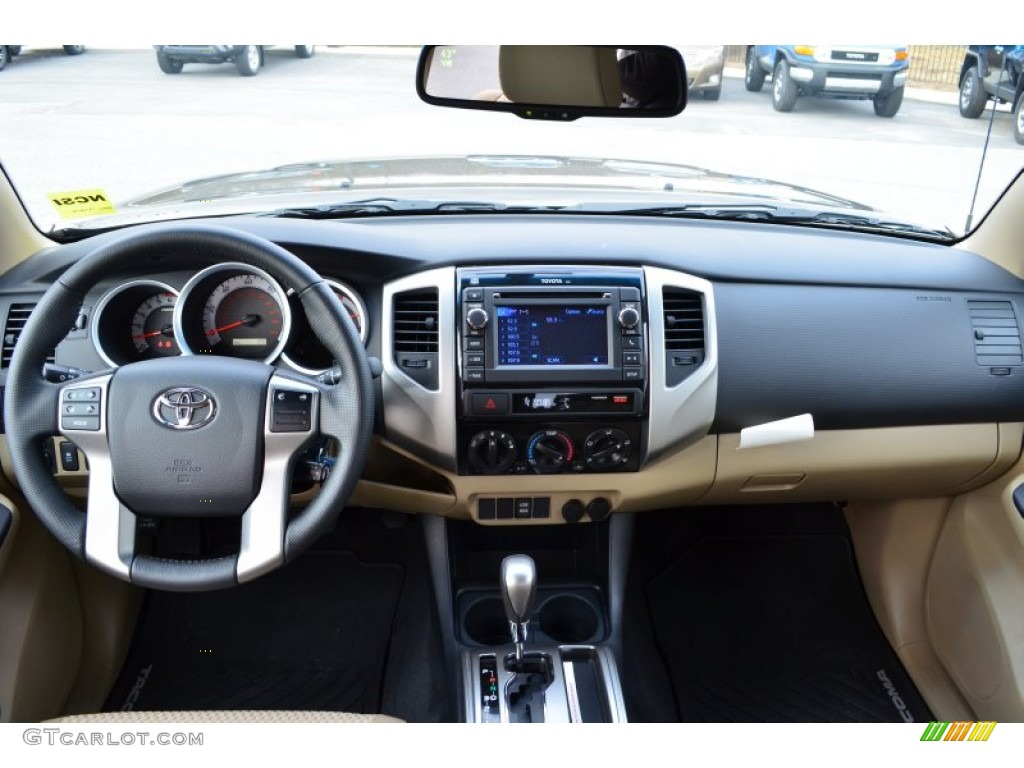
(555, 82)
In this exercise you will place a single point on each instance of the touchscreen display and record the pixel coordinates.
(552, 335)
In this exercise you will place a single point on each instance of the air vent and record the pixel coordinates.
(684, 333)
(996, 333)
(415, 336)
(17, 316)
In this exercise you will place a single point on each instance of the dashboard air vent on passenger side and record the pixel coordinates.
(17, 316)
(996, 333)
(683, 313)
(415, 334)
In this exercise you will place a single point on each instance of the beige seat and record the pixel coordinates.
(227, 716)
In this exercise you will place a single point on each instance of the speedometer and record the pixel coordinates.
(242, 318)
(234, 310)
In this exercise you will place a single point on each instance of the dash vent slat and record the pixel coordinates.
(996, 333)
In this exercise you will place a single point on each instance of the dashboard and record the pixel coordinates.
(539, 370)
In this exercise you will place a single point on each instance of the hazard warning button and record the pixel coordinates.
(490, 403)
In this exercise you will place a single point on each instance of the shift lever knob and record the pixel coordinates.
(518, 592)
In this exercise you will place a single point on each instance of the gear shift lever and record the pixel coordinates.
(518, 592)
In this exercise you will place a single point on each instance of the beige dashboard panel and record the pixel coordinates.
(973, 599)
(900, 462)
(40, 626)
(676, 479)
(895, 542)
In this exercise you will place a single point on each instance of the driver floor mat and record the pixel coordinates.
(311, 636)
(776, 629)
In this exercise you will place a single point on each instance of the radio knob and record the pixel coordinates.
(476, 318)
(629, 317)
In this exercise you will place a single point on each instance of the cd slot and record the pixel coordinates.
(561, 294)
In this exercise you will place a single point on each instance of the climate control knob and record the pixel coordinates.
(629, 317)
(550, 451)
(492, 452)
(606, 449)
(476, 318)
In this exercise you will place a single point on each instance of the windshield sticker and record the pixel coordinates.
(81, 203)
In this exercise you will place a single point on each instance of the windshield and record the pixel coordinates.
(111, 136)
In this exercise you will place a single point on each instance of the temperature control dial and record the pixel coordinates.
(606, 449)
(550, 451)
(492, 452)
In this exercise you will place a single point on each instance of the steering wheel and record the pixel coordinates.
(188, 436)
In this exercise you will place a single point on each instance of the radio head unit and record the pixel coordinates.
(531, 328)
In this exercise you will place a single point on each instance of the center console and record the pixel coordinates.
(552, 370)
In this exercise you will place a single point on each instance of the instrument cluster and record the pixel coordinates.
(229, 309)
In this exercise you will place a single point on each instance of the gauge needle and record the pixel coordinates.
(167, 330)
(247, 320)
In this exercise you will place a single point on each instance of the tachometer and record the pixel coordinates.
(152, 326)
(135, 321)
(233, 310)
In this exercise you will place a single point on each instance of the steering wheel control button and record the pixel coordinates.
(291, 411)
(572, 511)
(184, 408)
(80, 409)
(83, 423)
(85, 394)
(599, 509)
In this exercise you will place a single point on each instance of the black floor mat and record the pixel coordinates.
(313, 636)
(776, 629)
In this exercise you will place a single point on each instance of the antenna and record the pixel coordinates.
(984, 150)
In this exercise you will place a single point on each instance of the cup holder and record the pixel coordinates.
(568, 619)
(485, 622)
(560, 617)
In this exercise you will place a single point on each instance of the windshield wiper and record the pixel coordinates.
(774, 214)
(383, 206)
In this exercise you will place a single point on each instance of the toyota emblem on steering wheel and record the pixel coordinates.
(184, 408)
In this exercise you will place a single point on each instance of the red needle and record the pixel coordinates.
(166, 331)
(247, 320)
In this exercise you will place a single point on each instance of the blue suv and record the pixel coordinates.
(875, 72)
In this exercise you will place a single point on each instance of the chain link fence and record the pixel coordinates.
(931, 66)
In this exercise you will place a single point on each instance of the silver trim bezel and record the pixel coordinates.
(684, 413)
(420, 419)
(110, 295)
(235, 267)
(364, 330)
(264, 522)
(109, 525)
(558, 707)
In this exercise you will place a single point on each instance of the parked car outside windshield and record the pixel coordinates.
(272, 139)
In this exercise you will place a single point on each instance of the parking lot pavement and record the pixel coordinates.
(111, 119)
